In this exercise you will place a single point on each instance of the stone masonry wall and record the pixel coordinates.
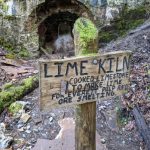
(14, 18)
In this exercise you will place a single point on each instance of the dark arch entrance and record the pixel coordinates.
(55, 33)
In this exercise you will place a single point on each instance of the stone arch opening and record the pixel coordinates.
(55, 33)
(54, 19)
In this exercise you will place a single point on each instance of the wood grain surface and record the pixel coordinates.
(81, 80)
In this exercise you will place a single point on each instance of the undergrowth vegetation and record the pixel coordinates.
(128, 19)
(12, 52)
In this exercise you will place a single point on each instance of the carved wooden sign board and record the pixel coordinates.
(84, 79)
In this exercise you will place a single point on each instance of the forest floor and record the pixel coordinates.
(116, 134)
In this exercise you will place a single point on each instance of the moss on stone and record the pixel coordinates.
(7, 86)
(12, 53)
(10, 56)
(16, 92)
(15, 107)
(6, 98)
(27, 83)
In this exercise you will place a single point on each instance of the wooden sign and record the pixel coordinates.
(81, 80)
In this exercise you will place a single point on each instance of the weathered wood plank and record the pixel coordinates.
(85, 126)
(83, 79)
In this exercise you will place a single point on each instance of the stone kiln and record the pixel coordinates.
(31, 24)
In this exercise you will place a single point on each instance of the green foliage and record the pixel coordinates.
(87, 32)
(11, 93)
(1, 105)
(7, 45)
(106, 36)
(129, 19)
(5, 7)
(87, 52)
(24, 53)
(86, 29)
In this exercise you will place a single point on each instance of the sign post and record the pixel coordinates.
(83, 80)
(86, 42)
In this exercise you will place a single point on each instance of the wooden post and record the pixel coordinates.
(86, 42)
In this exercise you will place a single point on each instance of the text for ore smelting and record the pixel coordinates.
(84, 87)
(97, 87)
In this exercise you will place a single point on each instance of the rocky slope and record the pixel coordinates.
(137, 41)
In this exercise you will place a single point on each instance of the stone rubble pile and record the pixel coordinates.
(5, 139)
